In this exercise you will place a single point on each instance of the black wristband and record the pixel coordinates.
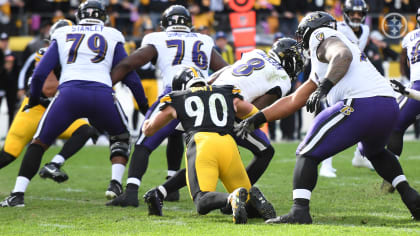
(259, 119)
(326, 86)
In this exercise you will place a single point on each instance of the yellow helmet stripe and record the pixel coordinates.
(194, 71)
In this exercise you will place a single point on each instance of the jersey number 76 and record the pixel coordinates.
(198, 57)
(96, 44)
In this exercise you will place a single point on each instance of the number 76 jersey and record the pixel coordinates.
(180, 48)
(86, 52)
(204, 109)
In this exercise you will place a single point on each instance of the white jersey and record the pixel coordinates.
(86, 52)
(177, 49)
(344, 28)
(255, 74)
(361, 80)
(412, 43)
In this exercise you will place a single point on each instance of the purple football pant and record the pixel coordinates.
(369, 121)
(409, 109)
(90, 100)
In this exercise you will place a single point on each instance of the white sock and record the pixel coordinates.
(117, 172)
(301, 193)
(58, 159)
(133, 180)
(21, 184)
(162, 190)
(327, 162)
(171, 172)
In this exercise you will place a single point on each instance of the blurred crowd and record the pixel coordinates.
(135, 18)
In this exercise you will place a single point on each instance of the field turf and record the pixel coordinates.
(350, 204)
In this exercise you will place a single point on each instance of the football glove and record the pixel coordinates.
(31, 103)
(249, 125)
(399, 87)
(314, 101)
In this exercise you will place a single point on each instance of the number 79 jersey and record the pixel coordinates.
(412, 43)
(204, 109)
(180, 48)
(86, 52)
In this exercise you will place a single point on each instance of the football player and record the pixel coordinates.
(25, 123)
(409, 107)
(355, 29)
(262, 80)
(358, 97)
(207, 113)
(169, 50)
(86, 53)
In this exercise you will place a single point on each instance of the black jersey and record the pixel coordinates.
(204, 109)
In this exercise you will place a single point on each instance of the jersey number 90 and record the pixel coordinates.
(194, 107)
(96, 44)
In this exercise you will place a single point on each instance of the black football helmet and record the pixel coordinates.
(288, 53)
(354, 6)
(177, 17)
(59, 24)
(40, 53)
(310, 23)
(90, 11)
(187, 77)
(418, 17)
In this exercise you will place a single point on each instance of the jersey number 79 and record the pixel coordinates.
(96, 44)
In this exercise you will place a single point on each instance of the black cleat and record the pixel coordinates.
(237, 200)
(14, 200)
(387, 187)
(261, 204)
(154, 202)
(52, 171)
(413, 204)
(297, 215)
(114, 190)
(128, 198)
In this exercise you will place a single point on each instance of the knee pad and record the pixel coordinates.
(200, 205)
(120, 145)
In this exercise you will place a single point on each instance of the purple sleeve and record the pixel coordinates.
(48, 62)
(132, 80)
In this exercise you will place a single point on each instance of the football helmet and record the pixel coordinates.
(354, 6)
(176, 18)
(40, 53)
(288, 53)
(310, 23)
(91, 12)
(186, 78)
(59, 24)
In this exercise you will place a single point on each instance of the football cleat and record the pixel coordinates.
(14, 200)
(261, 204)
(327, 171)
(114, 190)
(361, 161)
(154, 202)
(297, 215)
(128, 198)
(237, 200)
(387, 187)
(52, 171)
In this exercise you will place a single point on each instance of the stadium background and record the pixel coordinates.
(26, 20)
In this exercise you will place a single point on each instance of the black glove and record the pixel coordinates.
(249, 125)
(31, 103)
(144, 108)
(314, 101)
(398, 87)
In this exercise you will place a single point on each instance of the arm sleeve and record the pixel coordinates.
(48, 62)
(132, 80)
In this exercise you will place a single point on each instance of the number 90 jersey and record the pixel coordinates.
(180, 48)
(412, 43)
(256, 74)
(86, 52)
(204, 109)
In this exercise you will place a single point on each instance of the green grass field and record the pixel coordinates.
(351, 204)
